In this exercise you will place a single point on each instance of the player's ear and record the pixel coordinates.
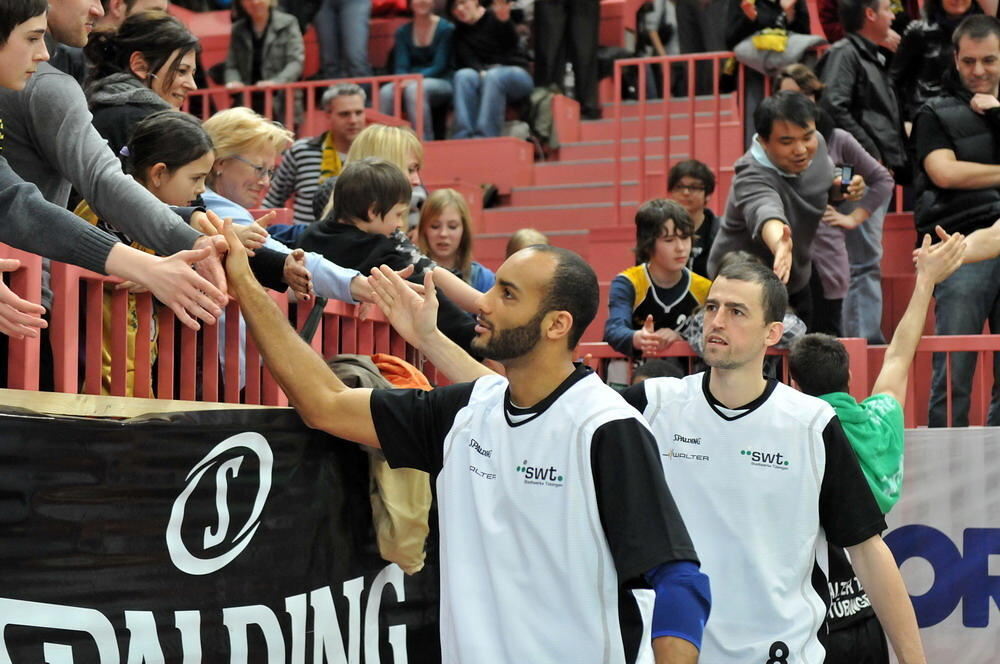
(774, 332)
(557, 324)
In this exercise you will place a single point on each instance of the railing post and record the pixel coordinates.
(857, 350)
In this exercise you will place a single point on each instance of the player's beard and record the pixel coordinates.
(511, 343)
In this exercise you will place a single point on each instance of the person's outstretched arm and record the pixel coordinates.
(982, 244)
(934, 264)
(414, 316)
(320, 398)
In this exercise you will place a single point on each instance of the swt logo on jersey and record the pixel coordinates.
(541, 475)
(766, 459)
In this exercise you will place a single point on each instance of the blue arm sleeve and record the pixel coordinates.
(287, 234)
(683, 600)
(617, 328)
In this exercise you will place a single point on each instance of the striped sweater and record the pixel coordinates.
(298, 176)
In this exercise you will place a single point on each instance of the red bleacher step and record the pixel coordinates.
(505, 162)
(559, 194)
(656, 125)
(586, 171)
(679, 144)
(727, 105)
(554, 217)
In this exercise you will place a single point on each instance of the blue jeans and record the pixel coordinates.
(437, 93)
(481, 98)
(862, 312)
(963, 302)
(342, 30)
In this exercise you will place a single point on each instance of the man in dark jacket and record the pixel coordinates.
(957, 139)
(860, 99)
(858, 93)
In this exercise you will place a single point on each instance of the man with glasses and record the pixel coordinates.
(691, 183)
(311, 160)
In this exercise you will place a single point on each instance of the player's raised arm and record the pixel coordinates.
(935, 263)
(322, 400)
(415, 317)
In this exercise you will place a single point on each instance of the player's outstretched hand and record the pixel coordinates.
(939, 261)
(413, 315)
(361, 289)
(237, 264)
(19, 318)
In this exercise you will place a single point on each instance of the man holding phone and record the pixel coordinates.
(779, 192)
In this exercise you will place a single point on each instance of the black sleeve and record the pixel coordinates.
(641, 521)
(412, 424)
(268, 267)
(929, 135)
(636, 396)
(738, 26)
(186, 213)
(847, 509)
(800, 23)
(905, 68)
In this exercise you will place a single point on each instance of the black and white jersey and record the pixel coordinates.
(761, 489)
(549, 517)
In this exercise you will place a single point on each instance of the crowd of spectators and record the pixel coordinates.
(904, 95)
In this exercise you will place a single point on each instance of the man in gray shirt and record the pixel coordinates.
(49, 141)
(780, 189)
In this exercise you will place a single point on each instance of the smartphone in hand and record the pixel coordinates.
(846, 175)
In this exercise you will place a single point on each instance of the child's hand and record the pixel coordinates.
(251, 235)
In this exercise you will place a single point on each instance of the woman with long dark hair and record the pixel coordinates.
(147, 66)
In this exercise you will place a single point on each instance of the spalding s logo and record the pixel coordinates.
(182, 558)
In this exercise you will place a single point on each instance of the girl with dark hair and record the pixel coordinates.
(171, 155)
(147, 66)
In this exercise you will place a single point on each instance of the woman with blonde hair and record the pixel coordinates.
(445, 235)
(246, 148)
(397, 145)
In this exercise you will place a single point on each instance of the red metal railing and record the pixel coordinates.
(188, 364)
(707, 141)
(312, 119)
(866, 362)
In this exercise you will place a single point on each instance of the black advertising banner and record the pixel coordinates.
(204, 537)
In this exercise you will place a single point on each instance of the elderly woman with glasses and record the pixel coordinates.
(247, 146)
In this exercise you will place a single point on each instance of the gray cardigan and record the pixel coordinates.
(760, 192)
(284, 51)
(50, 141)
(30, 223)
